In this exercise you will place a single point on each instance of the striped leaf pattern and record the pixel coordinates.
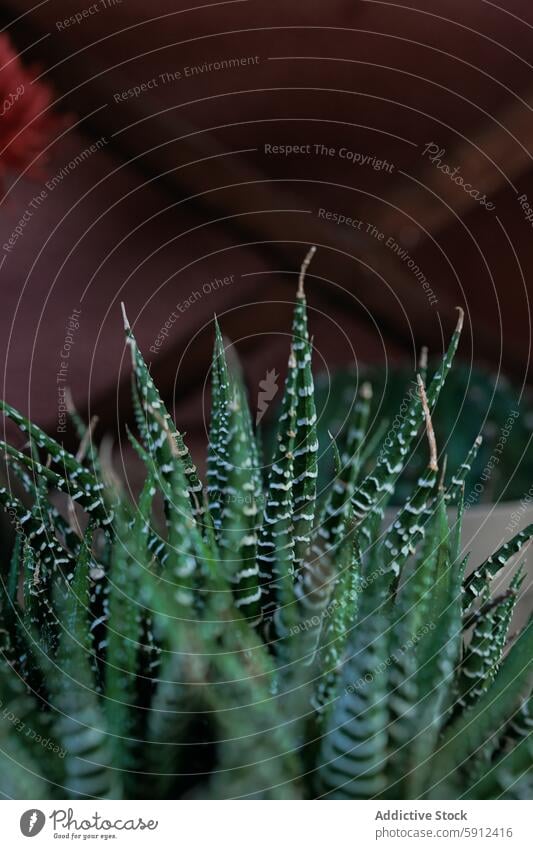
(334, 512)
(305, 442)
(354, 749)
(378, 486)
(252, 640)
(485, 649)
(156, 422)
(475, 583)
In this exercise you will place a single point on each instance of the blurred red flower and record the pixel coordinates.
(27, 122)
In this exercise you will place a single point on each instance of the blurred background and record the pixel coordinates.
(182, 160)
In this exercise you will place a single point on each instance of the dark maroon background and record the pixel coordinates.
(138, 222)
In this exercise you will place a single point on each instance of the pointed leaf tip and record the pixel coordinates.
(423, 359)
(303, 270)
(219, 339)
(460, 320)
(127, 327)
(366, 391)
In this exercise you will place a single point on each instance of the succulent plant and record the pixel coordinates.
(258, 637)
(473, 401)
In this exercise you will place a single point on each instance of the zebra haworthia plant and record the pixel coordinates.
(255, 638)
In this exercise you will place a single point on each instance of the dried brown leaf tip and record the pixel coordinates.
(303, 271)
(433, 465)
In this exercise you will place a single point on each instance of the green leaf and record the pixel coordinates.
(456, 486)
(276, 544)
(25, 768)
(257, 752)
(354, 749)
(484, 652)
(377, 487)
(238, 528)
(80, 724)
(125, 626)
(217, 459)
(484, 722)
(305, 447)
(336, 507)
(475, 583)
(425, 649)
(157, 423)
(338, 620)
(407, 530)
(73, 477)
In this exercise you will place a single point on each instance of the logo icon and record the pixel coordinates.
(268, 389)
(32, 822)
